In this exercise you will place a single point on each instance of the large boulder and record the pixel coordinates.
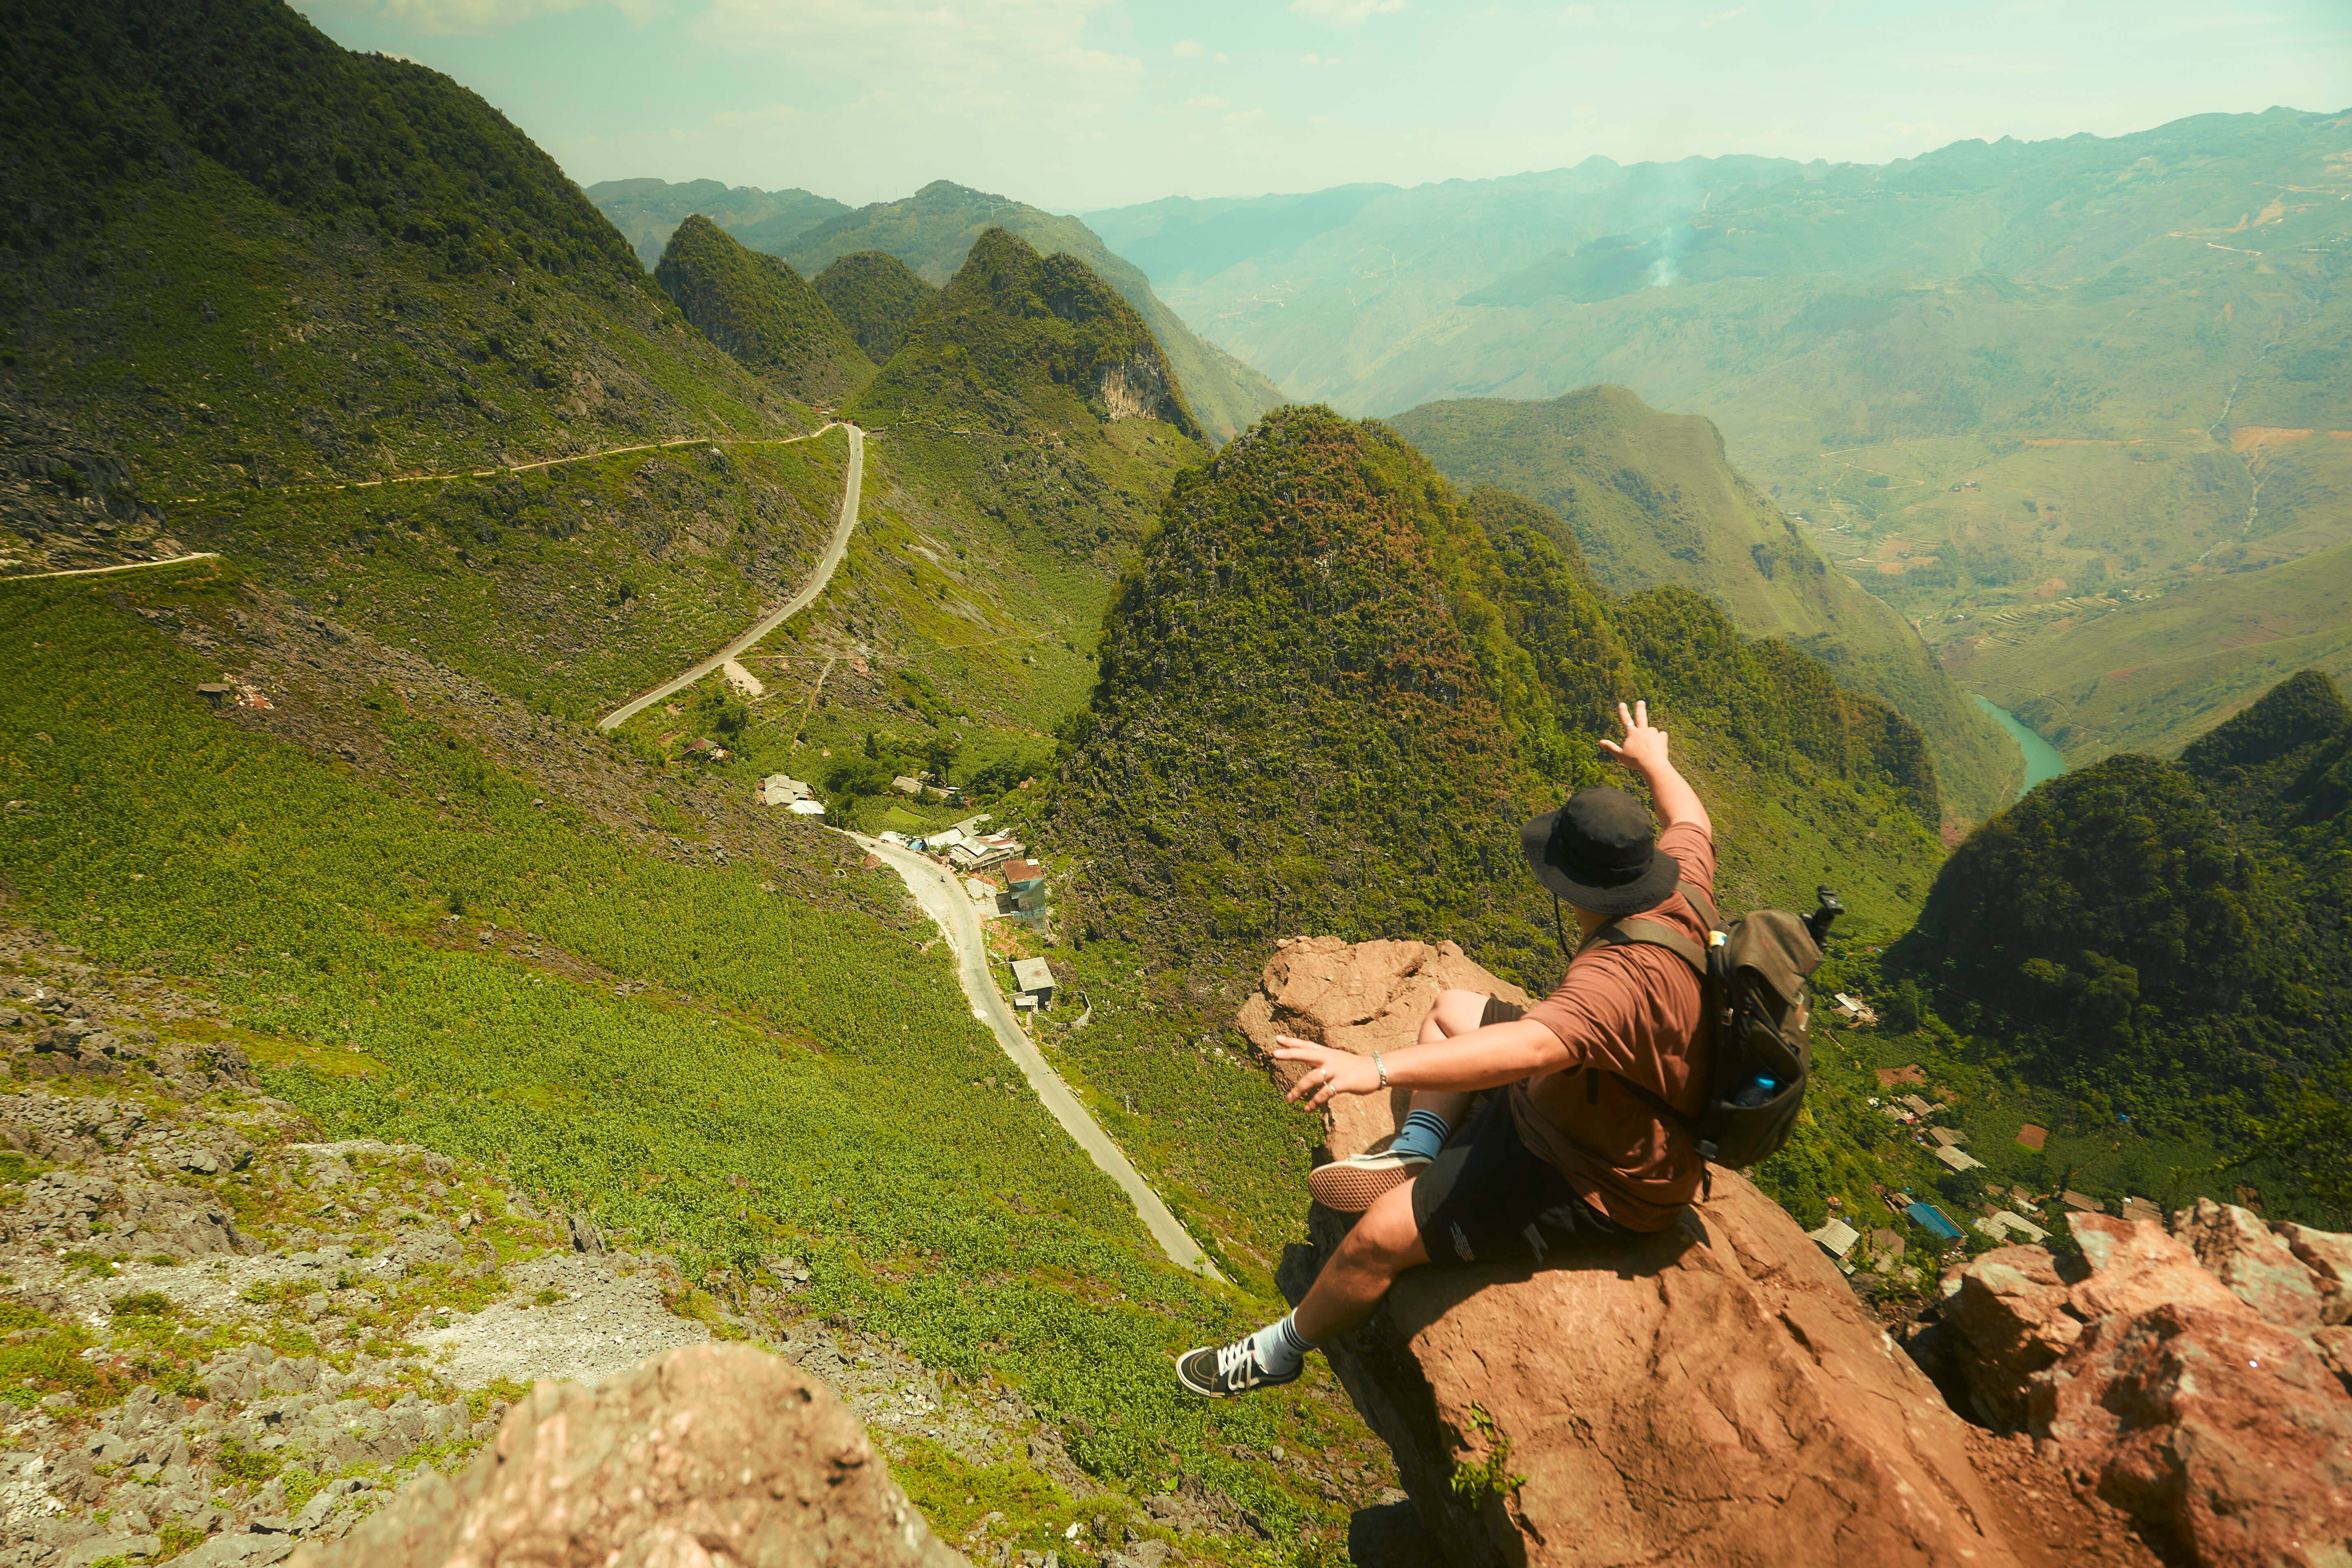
(709, 1457)
(1364, 997)
(2190, 1378)
(1713, 1394)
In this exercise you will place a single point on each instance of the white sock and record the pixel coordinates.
(1280, 1346)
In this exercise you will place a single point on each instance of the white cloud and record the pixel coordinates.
(1208, 101)
(1345, 12)
(1222, 56)
(1719, 18)
(1245, 117)
(752, 119)
(994, 59)
(1312, 61)
(1186, 49)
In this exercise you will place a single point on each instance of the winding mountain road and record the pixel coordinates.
(827, 564)
(943, 898)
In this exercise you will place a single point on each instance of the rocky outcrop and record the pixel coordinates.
(1358, 996)
(1714, 1394)
(2195, 1379)
(711, 1454)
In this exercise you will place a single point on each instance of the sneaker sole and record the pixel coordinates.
(1346, 1188)
(1192, 1387)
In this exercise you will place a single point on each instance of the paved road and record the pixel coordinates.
(943, 897)
(830, 559)
(124, 566)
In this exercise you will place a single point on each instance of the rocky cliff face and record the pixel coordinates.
(2196, 1378)
(716, 1454)
(1714, 1394)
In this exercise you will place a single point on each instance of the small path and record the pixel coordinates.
(124, 566)
(322, 486)
(943, 898)
(830, 559)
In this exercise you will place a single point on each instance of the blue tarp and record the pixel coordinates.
(1928, 1218)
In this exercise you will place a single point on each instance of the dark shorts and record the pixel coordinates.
(1488, 1196)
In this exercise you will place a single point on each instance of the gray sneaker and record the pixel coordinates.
(1218, 1372)
(1355, 1183)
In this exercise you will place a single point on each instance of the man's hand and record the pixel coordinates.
(1644, 748)
(1329, 1072)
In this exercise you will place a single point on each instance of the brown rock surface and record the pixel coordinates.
(1364, 997)
(1713, 1394)
(705, 1457)
(2208, 1402)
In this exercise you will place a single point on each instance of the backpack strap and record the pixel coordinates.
(1652, 933)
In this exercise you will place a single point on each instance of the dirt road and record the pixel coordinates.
(827, 564)
(943, 898)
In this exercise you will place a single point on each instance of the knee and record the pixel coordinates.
(1456, 1012)
(1388, 1239)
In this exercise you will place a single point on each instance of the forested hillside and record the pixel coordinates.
(647, 212)
(877, 297)
(763, 314)
(1650, 499)
(933, 230)
(1332, 690)
(2169, 944)
(2028, 393)
(241, 255)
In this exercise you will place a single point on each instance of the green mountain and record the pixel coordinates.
(647, 212)
(240, 256)
(1333, 688)
(763, 314)
(2009, 386)
(1650, 498)
(877, 297)
(934, 230)
(2169, 946)
(1037, 353)
(1330, 691)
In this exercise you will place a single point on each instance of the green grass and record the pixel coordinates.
(567, 587)
(821, 1056)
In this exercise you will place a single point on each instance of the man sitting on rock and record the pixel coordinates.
(1578, 1151)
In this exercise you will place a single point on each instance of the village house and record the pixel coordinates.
(1033, 982)
(777, 789)
(2002, 1224)
(1887, 1243)
(1934, 1221)
(1837, 1239)
(2078, 1203)
(2140, 1208)
(1916, 1106)
(906, 785)
(1853, 1010)
(1958, 1160)
(1947, 1137)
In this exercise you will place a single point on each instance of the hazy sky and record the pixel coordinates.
(1073, 104)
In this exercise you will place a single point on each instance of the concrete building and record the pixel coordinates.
(1034, 978)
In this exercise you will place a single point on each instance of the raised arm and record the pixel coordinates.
(1643, 750)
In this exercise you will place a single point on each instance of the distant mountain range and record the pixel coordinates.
(931, 232)
(1650, 499)
(2023, 391)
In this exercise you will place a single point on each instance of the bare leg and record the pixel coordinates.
(1454, 1013)
(1384, 1244)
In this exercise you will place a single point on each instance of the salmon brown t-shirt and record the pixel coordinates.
(1627, 1013)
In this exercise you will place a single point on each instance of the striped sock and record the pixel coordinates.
(1280, 1346)
(1424, 1133)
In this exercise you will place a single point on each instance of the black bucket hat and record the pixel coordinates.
(1599, 853)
